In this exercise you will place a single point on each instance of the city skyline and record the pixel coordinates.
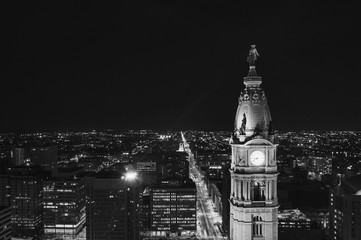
(177, 66)
(308, 165)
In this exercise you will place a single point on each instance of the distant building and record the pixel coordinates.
(293, 219)
(18, 156)
(345, 209)
(176, 165)
(5, 200)
(216, 197)
(5, 157)
(64, 206)
(145, 212)
(46, 157)
(5, 223)
(149, 166)
(225, 193)
(206, 159)
(321, 165)
(110, 207)
(26, 200)
(215, 165)
(173, 209)
(319, 218)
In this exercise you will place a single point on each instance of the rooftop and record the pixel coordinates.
(352, 184)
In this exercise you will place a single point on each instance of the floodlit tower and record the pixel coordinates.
(253, 198)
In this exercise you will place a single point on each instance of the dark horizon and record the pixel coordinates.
(177, 65)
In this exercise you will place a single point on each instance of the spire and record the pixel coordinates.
(252, 78)
(253, 118)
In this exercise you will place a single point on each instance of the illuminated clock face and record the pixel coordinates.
(257, 158)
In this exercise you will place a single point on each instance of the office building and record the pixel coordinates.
(173, 209)
(145, 212)
(26, 192)
(46, 157)
(64, 206)
(18, 156)
(176, 166)
(5, 157)
(111, 207)
(149, 166)
(5, 223)
(345, 209)
(5, 199)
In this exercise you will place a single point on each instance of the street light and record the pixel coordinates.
(130, 176)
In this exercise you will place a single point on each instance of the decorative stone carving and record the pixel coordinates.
(246, 97)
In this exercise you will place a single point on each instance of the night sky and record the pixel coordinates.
(177, 64)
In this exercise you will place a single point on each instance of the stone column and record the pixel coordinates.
(266, 190)
(248, 190)
(275, 189)
(237, 188)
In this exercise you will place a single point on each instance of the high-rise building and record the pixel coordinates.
(5, 223)
(176, 166)
(110, 207)
(5, 157)
(5, 199)
(145, 212)
(46, 157)
(173, 209)
(64, 206)
(26, 192)
(345, 209)
(253, 198)
(18, 156)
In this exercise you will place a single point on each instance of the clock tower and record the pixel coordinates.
(253, 198)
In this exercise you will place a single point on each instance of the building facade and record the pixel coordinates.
(173, 209)
(253, 198)
(26, 192)
(46, 157)
(64, 206)
(5, 223)
(111, 207)
(18, 156)
(345, 209)
(176, 165)
(5, 197)
(293, 219)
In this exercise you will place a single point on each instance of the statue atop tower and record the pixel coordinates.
(252, 56)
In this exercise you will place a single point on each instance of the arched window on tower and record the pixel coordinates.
(258, 192)
(257, 226)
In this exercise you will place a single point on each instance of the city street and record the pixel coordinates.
(208, 220)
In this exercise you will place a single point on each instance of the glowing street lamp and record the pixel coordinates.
(130, 176)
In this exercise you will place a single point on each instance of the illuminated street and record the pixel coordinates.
(208, 220)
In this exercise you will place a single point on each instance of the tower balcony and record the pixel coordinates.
(249, 203)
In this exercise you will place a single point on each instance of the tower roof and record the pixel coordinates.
(253, 117)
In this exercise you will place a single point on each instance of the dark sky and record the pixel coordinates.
(177, 64)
